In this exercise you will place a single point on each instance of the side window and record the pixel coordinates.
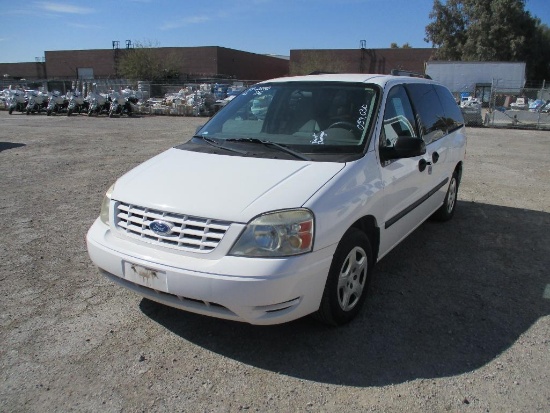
(453, 115)
(398, 117)
(428, 107)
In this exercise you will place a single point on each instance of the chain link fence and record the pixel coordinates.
(491, 107)
(528, 109)
(198, 97)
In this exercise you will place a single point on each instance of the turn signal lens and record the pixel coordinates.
(105, 206)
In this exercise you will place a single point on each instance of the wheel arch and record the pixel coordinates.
(458, 170)
(369, 226)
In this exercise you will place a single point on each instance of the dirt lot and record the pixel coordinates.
(458, 319)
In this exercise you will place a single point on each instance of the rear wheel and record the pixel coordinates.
(348, 279)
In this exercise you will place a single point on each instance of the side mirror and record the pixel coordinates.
(405, 147)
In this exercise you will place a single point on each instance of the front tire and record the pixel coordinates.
(447, 210)
(348, 279)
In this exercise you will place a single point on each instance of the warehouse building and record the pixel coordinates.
(219, 62)
(194, 62)
(360, 60)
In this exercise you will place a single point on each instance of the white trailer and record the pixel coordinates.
(477, 78)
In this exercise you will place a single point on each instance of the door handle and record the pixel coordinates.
(422, 164)
(435, 157)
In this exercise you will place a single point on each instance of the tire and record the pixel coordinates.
(447, 210)
(49, 112)
(348, 279)
(10, 111)
(69, 112)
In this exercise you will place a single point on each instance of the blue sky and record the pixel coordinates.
(28, 28)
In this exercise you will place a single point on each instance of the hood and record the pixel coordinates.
(231, 188)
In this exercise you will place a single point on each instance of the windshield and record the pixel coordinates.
(315, 118)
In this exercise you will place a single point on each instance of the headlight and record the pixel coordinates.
(105, 206)
(277, 234)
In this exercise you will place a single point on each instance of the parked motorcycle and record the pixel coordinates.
(97, 103)
(36, 101)
(77, 103)
(120, 105)
(57, 103)
(16, 100)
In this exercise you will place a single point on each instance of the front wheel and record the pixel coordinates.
(447, 210)
(348, 279)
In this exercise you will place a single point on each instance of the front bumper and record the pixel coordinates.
(253, 290)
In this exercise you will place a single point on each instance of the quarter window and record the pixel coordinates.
(453, 115)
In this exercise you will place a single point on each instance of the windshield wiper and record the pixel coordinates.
(282, 148)
(215, 144)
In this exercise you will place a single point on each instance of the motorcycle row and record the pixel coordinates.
(32, 101)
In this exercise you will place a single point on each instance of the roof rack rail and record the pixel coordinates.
(320, 72)
(397, 72)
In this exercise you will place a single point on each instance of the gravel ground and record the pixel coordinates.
(458, 319)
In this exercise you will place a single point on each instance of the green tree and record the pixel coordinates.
(317, 61)
(396, 46)
(489, 30)
(146, 61)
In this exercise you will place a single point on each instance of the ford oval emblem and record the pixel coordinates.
(160, 227)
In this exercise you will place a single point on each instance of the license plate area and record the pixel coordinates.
(145, 276)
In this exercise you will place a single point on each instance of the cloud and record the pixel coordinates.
(85, 26)
(187, 21)
(63, 8)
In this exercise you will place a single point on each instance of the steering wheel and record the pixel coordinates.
(343, 124)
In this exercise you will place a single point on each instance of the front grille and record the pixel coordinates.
(188, 233)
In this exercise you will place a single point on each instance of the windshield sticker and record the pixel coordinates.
(319, 138)
(362, 120)
(258, 91)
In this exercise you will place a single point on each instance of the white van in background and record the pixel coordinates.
(281, 205)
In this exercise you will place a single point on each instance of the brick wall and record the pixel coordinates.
(358, 60)
(202, 61)
(251, 66)
(214, 60)
(64, 63)
(26, 70)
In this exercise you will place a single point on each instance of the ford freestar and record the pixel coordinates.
(281, 205)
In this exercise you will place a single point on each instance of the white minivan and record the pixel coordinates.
(282, 203)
